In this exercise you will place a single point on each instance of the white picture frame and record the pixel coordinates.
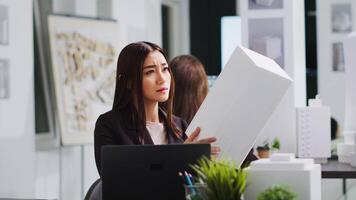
(341, 17)
(338, 63)
(4, 24)
(266, 37)
(4, 79)
(84, 53)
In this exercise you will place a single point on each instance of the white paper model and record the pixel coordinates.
(269, 46)
(83, 62)
(4, 23)
(241, 101)
(313, 131)
(302, 176)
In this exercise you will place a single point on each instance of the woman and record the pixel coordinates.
(143, 84)
(189, 74)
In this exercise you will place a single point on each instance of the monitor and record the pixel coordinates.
(148, 171)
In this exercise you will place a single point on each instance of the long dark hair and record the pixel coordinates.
(128, 90)
(189, 74)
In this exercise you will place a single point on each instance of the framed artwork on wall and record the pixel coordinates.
(83, 54)
(338, 63)
(4, 24)
(266, 38)
(341, 18)
(4, 79)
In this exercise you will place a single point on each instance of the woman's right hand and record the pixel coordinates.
(193, 139)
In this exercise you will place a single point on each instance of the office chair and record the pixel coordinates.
(95, 191)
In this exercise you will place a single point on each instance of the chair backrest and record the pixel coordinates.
(95, 191)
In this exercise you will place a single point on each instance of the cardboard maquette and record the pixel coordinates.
(301, 175)
(241, 101)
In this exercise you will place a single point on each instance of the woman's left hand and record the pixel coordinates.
(193, 139)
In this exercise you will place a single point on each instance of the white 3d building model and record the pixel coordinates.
(237, 120)
(302, 176)
(313, 131)
(346, 149)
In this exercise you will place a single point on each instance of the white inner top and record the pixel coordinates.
(157, 132)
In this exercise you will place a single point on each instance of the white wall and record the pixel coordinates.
(331, 85)
(139, 20)
(17, 150)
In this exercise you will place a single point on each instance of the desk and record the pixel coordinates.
(335, 169)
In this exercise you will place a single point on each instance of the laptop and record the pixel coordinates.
(145, 172)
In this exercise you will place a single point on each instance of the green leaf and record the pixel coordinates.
(223, 180)
(277, 192)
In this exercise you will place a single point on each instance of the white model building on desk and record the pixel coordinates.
(346, 150)
(313, 131)
(302, 176)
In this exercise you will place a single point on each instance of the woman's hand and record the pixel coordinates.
(193, 139)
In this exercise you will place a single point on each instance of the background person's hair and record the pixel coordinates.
(192, 85)
(128, 90)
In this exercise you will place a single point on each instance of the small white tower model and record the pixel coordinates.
(313, 131)
(302, 176)
(346, 150)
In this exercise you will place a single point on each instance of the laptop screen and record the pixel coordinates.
(145, 172)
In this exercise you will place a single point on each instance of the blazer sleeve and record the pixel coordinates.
(103, 135)
(184, 128)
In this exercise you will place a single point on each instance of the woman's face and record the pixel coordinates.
(156, 78)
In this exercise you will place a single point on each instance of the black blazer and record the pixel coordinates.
(118, 128)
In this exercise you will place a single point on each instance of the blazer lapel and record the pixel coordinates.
(172, 139)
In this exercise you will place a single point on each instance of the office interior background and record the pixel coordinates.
(33, 161)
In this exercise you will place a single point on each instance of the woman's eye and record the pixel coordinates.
(149, 72)
(165, 69)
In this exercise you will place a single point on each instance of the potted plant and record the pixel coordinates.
(277, 192)
(263, 150)
(222, 179)
(276, 145)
